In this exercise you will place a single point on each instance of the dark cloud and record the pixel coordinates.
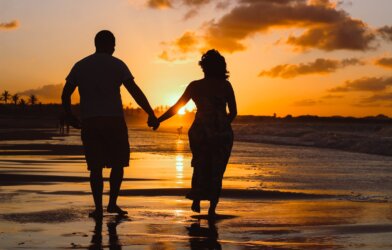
(326, 27)
(346, 34)
(319, 66)
(370, 84)
(9, 25)
(385, 62)
(50, 93)
(386, 32)
(378, 98)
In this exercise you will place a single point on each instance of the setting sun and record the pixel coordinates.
(181, 111)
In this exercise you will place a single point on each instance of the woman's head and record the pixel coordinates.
(214, 65)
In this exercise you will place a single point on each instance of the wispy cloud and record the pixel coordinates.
(159, 4)
(164, 4)
(307, 102)
(177, 50)
(319, 66)
(9, 25)
(386, 32)
(384, 62)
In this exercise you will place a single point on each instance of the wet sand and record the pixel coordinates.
(45, 198)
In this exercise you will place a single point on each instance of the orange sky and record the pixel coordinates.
(286, 57)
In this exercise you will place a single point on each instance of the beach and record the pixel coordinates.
(274, 197)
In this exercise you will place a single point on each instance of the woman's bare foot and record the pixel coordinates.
(196, 206)
(117, 210)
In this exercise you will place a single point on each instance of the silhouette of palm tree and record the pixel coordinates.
(22, 102)
(15, 98)
(33, 99)
(5, 96)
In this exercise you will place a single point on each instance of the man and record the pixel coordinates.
(104, 132)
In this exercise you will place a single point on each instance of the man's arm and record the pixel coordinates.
(142, 101)
(68, 89)
(70, 119)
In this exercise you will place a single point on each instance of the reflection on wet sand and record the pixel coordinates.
(203, 237)
(114, 241)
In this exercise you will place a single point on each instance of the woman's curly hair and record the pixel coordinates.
(214, 65)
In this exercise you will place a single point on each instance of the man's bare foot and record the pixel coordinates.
(196, 206)
(117, 210)
(211, 213)
(96, 214)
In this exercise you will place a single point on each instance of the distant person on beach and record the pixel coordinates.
(179, 131)
(63, 125)
(104, 132)
(211, 135)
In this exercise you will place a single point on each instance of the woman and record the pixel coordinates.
(210, 136)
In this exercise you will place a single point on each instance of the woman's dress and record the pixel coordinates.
(211, 141)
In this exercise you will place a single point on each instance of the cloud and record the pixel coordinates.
(326, 27)
(386, 32)
(332, 96)
(190, 14)
(166, 4)
(319, 66)
(50, 93)
(384, 62)
(368, 84)
(307, 103)
(378, 97)
(10, 25)
(159, 4)
(177, 50)
(346, 34)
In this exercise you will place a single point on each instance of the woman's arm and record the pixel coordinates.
(232, 104)
(186, 96)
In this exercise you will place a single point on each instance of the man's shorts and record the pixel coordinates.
(105, 142)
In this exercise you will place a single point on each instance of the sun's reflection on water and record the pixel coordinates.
(179, 168)
(179, 162)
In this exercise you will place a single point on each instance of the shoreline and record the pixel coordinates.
(369, 145)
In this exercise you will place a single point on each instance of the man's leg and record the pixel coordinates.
(116, 177)
(96, 183)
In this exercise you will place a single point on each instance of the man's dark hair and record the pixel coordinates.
(104, 39)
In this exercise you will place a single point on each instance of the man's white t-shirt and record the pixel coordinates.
(99, 78)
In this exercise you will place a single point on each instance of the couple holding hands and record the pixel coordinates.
(99, 77)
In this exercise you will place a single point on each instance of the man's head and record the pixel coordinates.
(105, 42)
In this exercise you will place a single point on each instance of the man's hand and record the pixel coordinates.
(153, 122)
(73, 121)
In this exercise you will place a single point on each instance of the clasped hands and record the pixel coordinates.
(153, 122)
